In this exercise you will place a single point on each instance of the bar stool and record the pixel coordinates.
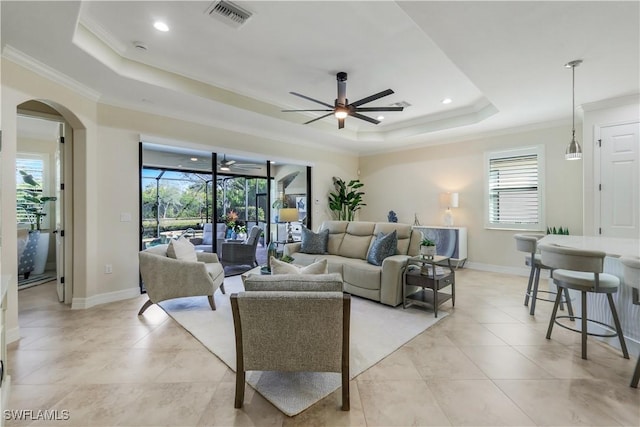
(581, 270)
(631, 265)
(528, 243)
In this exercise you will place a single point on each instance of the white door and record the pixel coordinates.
(620, 180)
(59, 172)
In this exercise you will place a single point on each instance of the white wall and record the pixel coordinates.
(410, 182)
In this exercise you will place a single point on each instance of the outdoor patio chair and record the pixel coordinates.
(242, 253)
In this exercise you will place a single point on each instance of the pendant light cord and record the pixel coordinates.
(573, 101)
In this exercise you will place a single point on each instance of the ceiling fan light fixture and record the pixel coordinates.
(225, 168)
(341, 112)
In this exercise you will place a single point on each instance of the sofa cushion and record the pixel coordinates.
(360, 273)
(182, 249)
(281, 267)
(383, 246)
(355, 246)
(294, 282)
(314, 243)
(403, 231)
(337, 230)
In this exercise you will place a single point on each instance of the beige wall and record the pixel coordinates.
(410, 182)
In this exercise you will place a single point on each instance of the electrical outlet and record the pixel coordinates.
(108, 269)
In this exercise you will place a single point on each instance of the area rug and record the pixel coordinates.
(377, 330)
(35, 280)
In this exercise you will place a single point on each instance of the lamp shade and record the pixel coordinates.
(288, 214)
(453, 200)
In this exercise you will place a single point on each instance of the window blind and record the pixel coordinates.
(514, 191)
(34, 167)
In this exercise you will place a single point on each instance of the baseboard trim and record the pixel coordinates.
(83, 303)
(516, 271)
(12, 334)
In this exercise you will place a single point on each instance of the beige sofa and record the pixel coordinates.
(348, 246)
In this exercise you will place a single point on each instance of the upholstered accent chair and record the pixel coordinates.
(167, 278)
(292, 322)
(242, 253)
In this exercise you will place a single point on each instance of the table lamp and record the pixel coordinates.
(450, 200)
(288, 215)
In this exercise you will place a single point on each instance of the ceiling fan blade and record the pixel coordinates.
(340, 123)
(372, 97)
(365, 118)
(318, 118)
(380, 109)
(311, 99)
(294, 111)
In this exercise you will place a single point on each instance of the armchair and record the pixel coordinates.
(167, 278)
(265, 340)
(242, 253)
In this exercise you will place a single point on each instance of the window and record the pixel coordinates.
(515, 189)
(35, 165)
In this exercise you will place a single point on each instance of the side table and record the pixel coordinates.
(430, 275)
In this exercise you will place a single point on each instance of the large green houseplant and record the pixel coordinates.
(33, 202)
(347, 199)
(32, 257)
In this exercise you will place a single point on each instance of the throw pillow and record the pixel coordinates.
(182, 249)
(385, 245)
(314, 243)
(281, 267)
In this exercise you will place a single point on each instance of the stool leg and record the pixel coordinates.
(553, 314)
(584, 324)
(636, 374)
(526, 298)
(616, 322)
(534, 293)
(567, 298)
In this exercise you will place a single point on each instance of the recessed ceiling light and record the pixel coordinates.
(380, 117)
(447, 101)
(161, 26)
(194, 159)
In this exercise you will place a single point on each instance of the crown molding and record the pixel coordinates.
(620, 101)
(42, 69)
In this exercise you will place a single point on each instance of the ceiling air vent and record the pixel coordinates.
(229, 13)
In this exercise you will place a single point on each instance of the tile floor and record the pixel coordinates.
(487, 363)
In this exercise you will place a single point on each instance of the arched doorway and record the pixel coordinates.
(44, 188)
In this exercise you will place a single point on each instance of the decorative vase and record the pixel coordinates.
(42, 252)
(428, 251)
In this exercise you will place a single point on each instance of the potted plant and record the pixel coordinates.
(346, 200)
(33, 203)
(427, 248)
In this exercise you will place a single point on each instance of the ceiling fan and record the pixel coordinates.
(343, 108)
(227, 165)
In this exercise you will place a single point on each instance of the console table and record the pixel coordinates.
(450, 241)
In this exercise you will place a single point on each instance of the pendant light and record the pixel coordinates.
(573, 152)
